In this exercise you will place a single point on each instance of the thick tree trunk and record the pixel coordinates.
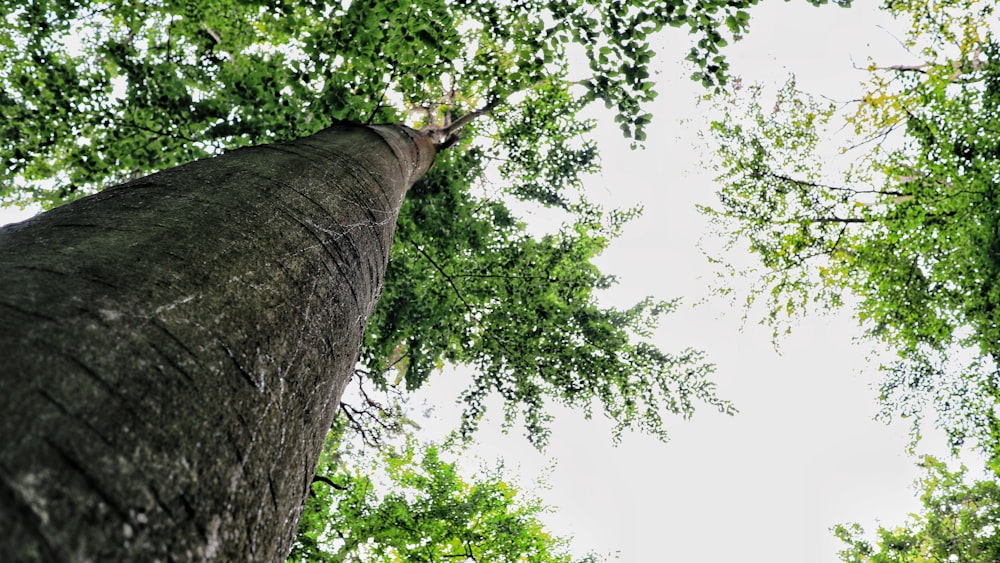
(173, 350)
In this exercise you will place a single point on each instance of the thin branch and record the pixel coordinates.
(498, 338)
(843, 220)
(447, 277)
(905, 68)
(880, 137)
(346, 409)
(322, 479)
(368, 399)
(506, 277)
(396, 362)
(381, 98)
(821, 220)
(374, 441)
(836, 243)
(212, 33)
(779, 176)
(897, 68)
(897, 39)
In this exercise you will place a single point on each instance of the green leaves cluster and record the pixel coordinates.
(907, 234)
(958, 522)
(773, 196)
(411, 503)
(468, 285)
(909, 231)
(96, 91)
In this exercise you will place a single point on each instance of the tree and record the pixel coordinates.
(908, 232)
(176, 347)
(958, 522)
(222, 302)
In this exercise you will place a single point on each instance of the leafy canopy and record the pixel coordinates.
(958, 522)
(96, 91)
(908, 232)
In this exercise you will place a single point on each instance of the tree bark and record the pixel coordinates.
(173, 350)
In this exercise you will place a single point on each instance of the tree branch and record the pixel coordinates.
(447, 277)
(808, 183)
(322, 479)
(839, 220)
(448, 135)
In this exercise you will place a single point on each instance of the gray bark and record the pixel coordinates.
(173, 350)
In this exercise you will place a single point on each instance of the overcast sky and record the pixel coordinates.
(803, 453)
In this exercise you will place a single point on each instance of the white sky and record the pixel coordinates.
(804, 452)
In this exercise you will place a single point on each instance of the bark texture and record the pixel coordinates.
(173, 350)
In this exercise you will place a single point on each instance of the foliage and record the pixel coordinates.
(772, 195)
(958, 522)
(411, 504)
(909, 231)
(98, 90)
(468, 285)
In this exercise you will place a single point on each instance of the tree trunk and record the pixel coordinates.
(173, 350)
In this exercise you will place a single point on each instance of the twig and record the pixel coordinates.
(378, 104)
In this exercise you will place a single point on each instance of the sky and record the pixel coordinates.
(804, 452)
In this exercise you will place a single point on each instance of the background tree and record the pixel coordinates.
(907, 232)
(958, 522)
(407, 502)
(97, 92)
